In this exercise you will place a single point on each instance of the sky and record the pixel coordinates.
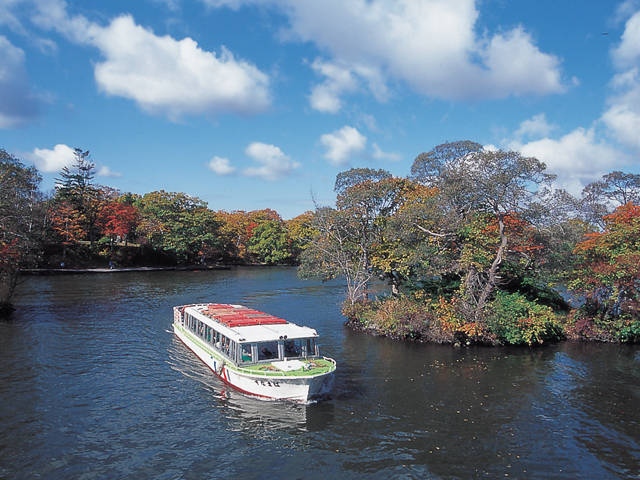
(252, 104)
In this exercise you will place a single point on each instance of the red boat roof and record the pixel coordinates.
(239, 316)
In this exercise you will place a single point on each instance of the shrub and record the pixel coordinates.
(518, 321)
(402, 318)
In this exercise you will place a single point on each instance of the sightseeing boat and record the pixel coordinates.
(256, 353)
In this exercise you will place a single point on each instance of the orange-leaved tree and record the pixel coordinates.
(607, 274)
(118, 220)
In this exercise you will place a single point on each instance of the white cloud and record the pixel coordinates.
(54, 160)
(515, 65)
(583, 156)
(577, 158)
(535, 127)
(627, 53)
(105, 171)
(432, 45)
(339, 80)
(622, 116)
(163, 75)
(175, 77)
(343, 144)
(221, 166)
(274, 163)
(18, 105)
(378, 154)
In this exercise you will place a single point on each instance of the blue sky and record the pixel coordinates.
(251, 104)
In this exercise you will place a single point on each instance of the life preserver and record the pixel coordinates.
(220, 369)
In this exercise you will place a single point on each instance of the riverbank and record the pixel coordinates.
(65, 271)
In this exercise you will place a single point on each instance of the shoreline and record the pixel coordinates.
(67, 271)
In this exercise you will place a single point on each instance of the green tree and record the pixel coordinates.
(180, 225)
(21, 222)
(270, 243)
(480, 189)
(416, 242)
(300, 232)
(75, 187)
(350, 236)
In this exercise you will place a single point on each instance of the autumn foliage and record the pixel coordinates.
(607, 274)
(472, 248)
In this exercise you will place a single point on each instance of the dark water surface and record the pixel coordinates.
(94, 386)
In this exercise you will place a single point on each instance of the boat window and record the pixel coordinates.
(267, 350)
(200, 328)
(224, 345)
(232, 350)
(245, 355)
(293, 348)
(309, 348)
(312, 347)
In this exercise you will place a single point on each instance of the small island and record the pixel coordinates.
(474, 246)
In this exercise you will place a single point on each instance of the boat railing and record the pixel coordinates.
(254, 369)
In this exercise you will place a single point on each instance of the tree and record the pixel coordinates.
(349, 235)
(237, 229)
(179, 224)
(336, 251)
(118, 220)
(414, 243)
(300, 232)
(427, 167)
(607, 273)
(270, 243)
(67, 224)
(615, 189)
(21, 221)
(75, 186)
(482, 187)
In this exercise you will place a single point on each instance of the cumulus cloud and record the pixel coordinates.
(622, 116)
(379, 154)
(274, 164)
(161, 74)
(53, 160)
(325, 97)
(221, 166)
(628, 51)
(60, 156)
(18, 104)
(583, 156)
(535, 127)
(175, 77)
(342, 144)
(105, 171)
(577, 158)
(433, 46)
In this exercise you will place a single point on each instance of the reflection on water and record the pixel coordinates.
(95, 386)
(242, 413)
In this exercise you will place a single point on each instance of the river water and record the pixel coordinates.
(94, 386)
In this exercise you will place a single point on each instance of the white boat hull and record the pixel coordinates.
(303, 389)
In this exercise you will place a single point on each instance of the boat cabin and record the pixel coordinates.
(247, 336)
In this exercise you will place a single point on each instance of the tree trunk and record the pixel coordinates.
(492, 279)
(8, 282)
